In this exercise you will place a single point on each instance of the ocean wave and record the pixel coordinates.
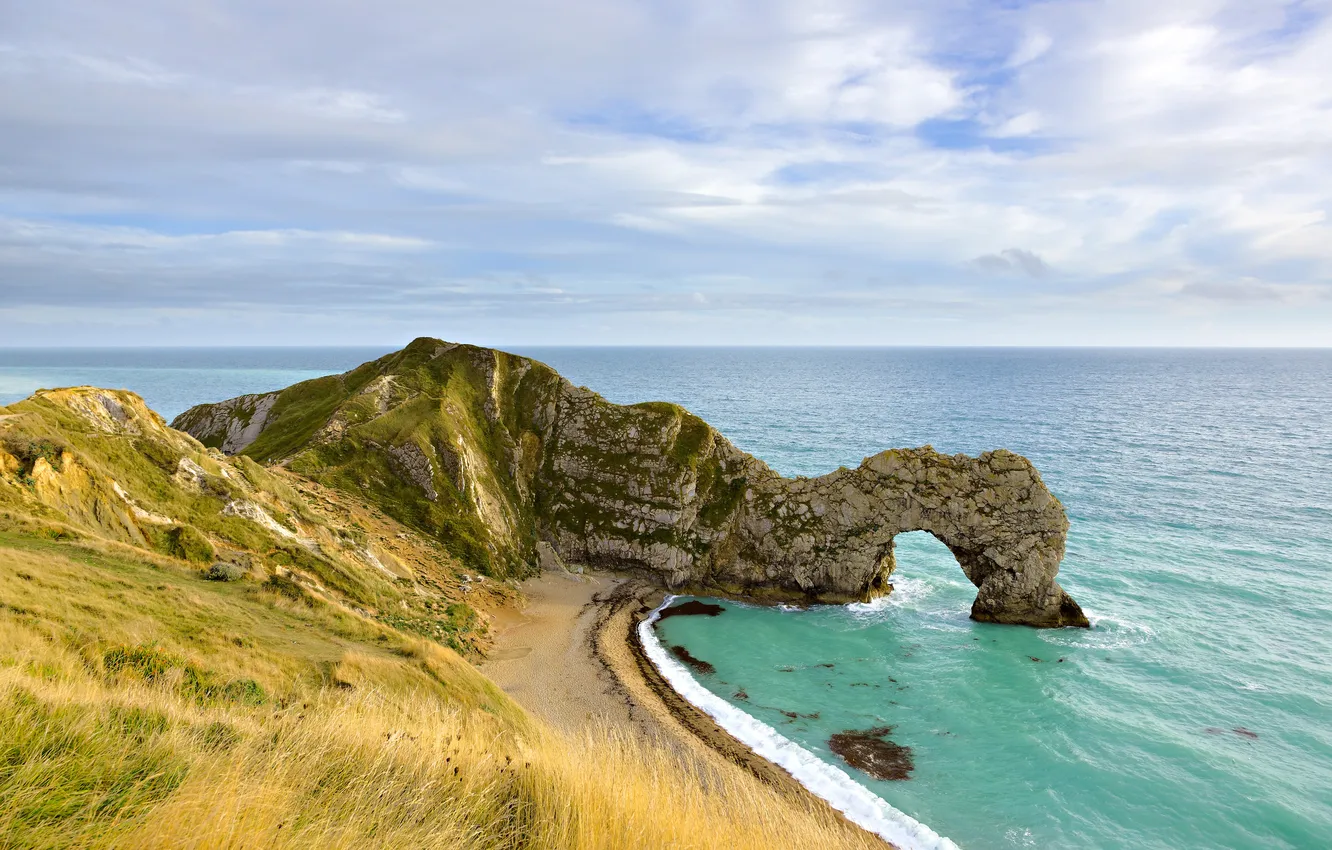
(1106, 632)
(832, 784)
(907, 593)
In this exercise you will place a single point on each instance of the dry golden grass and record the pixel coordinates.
(141, 707)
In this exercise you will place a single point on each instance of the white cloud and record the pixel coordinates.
(609, 147)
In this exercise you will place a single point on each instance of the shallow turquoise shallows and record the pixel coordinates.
(1197, 713)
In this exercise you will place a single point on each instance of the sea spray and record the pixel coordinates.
(860, 806)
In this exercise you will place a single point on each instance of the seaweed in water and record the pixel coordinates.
(697, 663)
(870, 751)
(795, 715)
(692, 607)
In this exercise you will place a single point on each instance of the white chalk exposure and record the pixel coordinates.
(855, 801)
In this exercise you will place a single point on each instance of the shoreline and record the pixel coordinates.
(573, 657)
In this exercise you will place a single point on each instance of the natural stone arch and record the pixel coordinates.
(620, 491)
(993, 512)
(997, 600)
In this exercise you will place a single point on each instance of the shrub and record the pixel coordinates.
(244, 691)
(223, 571)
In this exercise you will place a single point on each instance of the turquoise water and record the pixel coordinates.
(173, 380)
(1199, 487)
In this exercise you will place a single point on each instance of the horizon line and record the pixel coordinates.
(390, 347)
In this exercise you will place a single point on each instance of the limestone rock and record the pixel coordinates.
(231, 425)
(530, 457)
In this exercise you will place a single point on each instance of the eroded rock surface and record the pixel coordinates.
(229, 425)
(491, 454)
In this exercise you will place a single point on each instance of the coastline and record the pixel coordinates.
(573, 657)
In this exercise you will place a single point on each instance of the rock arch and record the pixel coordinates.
(653, 488)
(834, 537)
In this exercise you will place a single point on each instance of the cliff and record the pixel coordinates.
(507, 465)
(98, 464)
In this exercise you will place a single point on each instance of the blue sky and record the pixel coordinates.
(606, 172)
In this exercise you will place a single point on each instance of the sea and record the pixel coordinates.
(1195, 713)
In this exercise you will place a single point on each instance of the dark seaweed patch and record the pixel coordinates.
(870, 751)
(691, 608)
(795, 715)
(697, 663)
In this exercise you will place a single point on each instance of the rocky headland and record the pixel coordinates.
(511, 467)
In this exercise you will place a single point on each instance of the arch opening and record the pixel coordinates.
(919, 556)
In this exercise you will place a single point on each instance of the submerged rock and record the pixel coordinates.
(491, 454)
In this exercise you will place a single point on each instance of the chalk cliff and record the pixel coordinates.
(501, 460)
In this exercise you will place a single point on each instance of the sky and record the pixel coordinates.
(666, 172)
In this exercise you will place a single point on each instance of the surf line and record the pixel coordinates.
(835, 786)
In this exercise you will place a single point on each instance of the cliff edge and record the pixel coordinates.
(507, 464)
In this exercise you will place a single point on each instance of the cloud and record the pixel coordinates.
(1255, 292)
(632, 156)
(1013, 260)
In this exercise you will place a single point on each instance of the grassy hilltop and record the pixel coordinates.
(201, 651)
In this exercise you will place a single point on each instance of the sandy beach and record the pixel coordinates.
(571, 657)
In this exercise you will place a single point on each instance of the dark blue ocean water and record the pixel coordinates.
(1199, 487)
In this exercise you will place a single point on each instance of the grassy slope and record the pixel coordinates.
(485, 528)
(63, 468)
(142, 705)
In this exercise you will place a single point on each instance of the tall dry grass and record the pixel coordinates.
(397, 744)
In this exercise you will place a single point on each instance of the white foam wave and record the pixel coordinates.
(832, 784)
(1106, 632)
(906, 593)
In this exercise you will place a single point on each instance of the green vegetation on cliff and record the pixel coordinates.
(89, 463)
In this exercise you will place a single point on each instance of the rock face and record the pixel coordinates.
(237, 422)
(492, 454)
